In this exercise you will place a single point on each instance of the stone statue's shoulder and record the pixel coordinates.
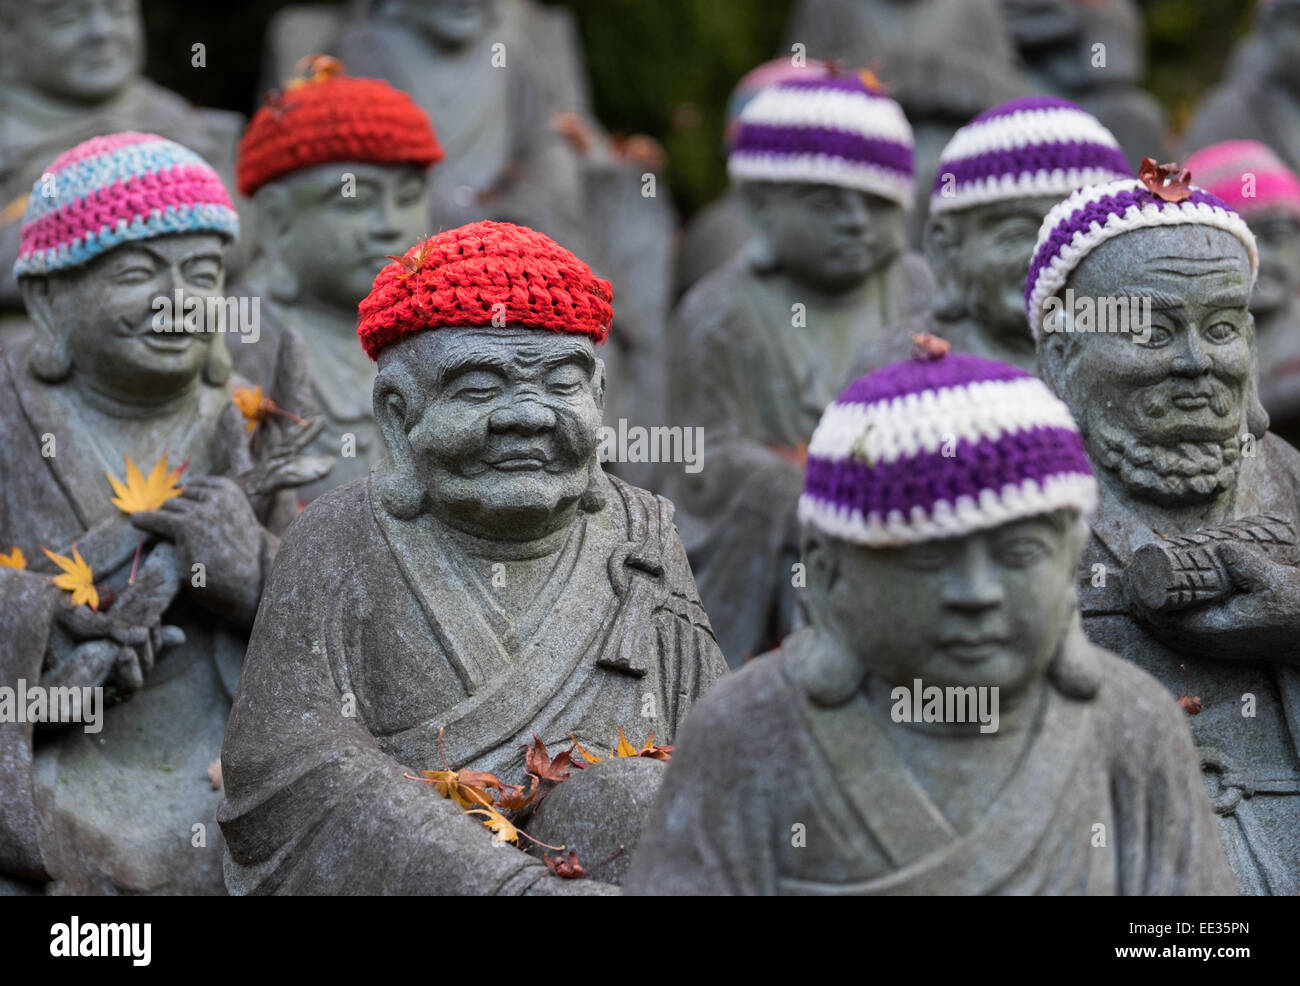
(1136, 711)
(918, 281)
(706, 312)
(331, 527)
(1281, 454)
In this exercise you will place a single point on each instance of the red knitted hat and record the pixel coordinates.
(328, 117)
(460, 276)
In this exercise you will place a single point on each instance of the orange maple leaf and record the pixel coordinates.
(14, 559)
(139, 494)
(468, 788)
(314, 69)
(1167, 181)
(77, 578)
(539, 763)
(498, 823)
(626, 749)
(569, 868)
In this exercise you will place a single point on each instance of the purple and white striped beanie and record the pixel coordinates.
(1093, 215)
(938, 448)
(1035, 146)
(830, 130)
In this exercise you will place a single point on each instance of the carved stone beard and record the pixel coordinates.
(1174, 474)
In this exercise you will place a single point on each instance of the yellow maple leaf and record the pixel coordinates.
(468, 788)
(14, 559)
(498, 823)
(249, 402)
(624, 748)
(589, 757)
(140, 494)
(77, 578)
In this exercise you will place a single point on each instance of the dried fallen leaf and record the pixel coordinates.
(589, 757)
(926, 346)
(538, 762)
(1191, 704)
(314, 69)
(569, 868)
(798, 454)
(515, 797)
(498, 823)
(214, 774)
(1167, 181)
(77, 578)
(139, 494)
(468, 788)
(626, 749)
(14, 559)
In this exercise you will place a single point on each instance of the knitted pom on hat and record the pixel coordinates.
(117, 189)
(332, 117)
(1035, 146)
(485, 274)
(1222, 170)
(1093, 215)
(940, 447)
(829, 130)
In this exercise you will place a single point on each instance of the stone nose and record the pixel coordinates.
(525, 415)
(1192, 360)
(971, 583)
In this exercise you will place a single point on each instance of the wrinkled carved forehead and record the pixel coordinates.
(437, 356)
(1184, 259)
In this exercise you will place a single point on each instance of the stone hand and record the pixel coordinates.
(1260, 621)
(212, 524)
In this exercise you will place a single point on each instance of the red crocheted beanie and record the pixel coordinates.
(462, 277)
(329, 117)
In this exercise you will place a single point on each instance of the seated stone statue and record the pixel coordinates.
(996, 180)
(943, 727)
(161, 616)
(825, 166)
(1095, 54)
(1259, 96)
(1191, 571)
(942, 60)
(66, 77)
(1266, 193)
(336, 167)
(487, 584)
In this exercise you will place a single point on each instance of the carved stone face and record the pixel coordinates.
(828, 237)
(447, 22)
(82, 50)
(333, 234)
(1167, 414)
(1278, 236)
(981, 254)
(118, 315)
(499, 426)
(988, 609)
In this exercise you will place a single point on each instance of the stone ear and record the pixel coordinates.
(1257, 420)
(399, 489)
(50, 359)
(941, 243)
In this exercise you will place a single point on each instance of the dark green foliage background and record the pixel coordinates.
(662, 67)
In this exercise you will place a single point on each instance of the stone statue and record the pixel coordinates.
(721, 229)
(943, 727)
(119, 269)
(825, 166)
(1190, 573)
(336, 167)
(1259, 96)
(1253, 180)
(487, 584)
(66, 77)
(1093, 52)
(996, 180)
(504, 83)
(942, 60)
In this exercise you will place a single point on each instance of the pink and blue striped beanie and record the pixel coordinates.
(941, 447)
(118, 189)
(1093, 215)
(1035, 146)
(828, 130)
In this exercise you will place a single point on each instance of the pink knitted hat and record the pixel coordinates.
(117, 189)
(1248, 176)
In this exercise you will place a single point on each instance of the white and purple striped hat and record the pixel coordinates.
(935, 448)
(1093, 215)
(1035, 146)
(830, 130)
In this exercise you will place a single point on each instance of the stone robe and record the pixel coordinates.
(1256, 756)
(113, 812)
(895, 344)
(758, 758)
(368, 642)
(757, 383)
